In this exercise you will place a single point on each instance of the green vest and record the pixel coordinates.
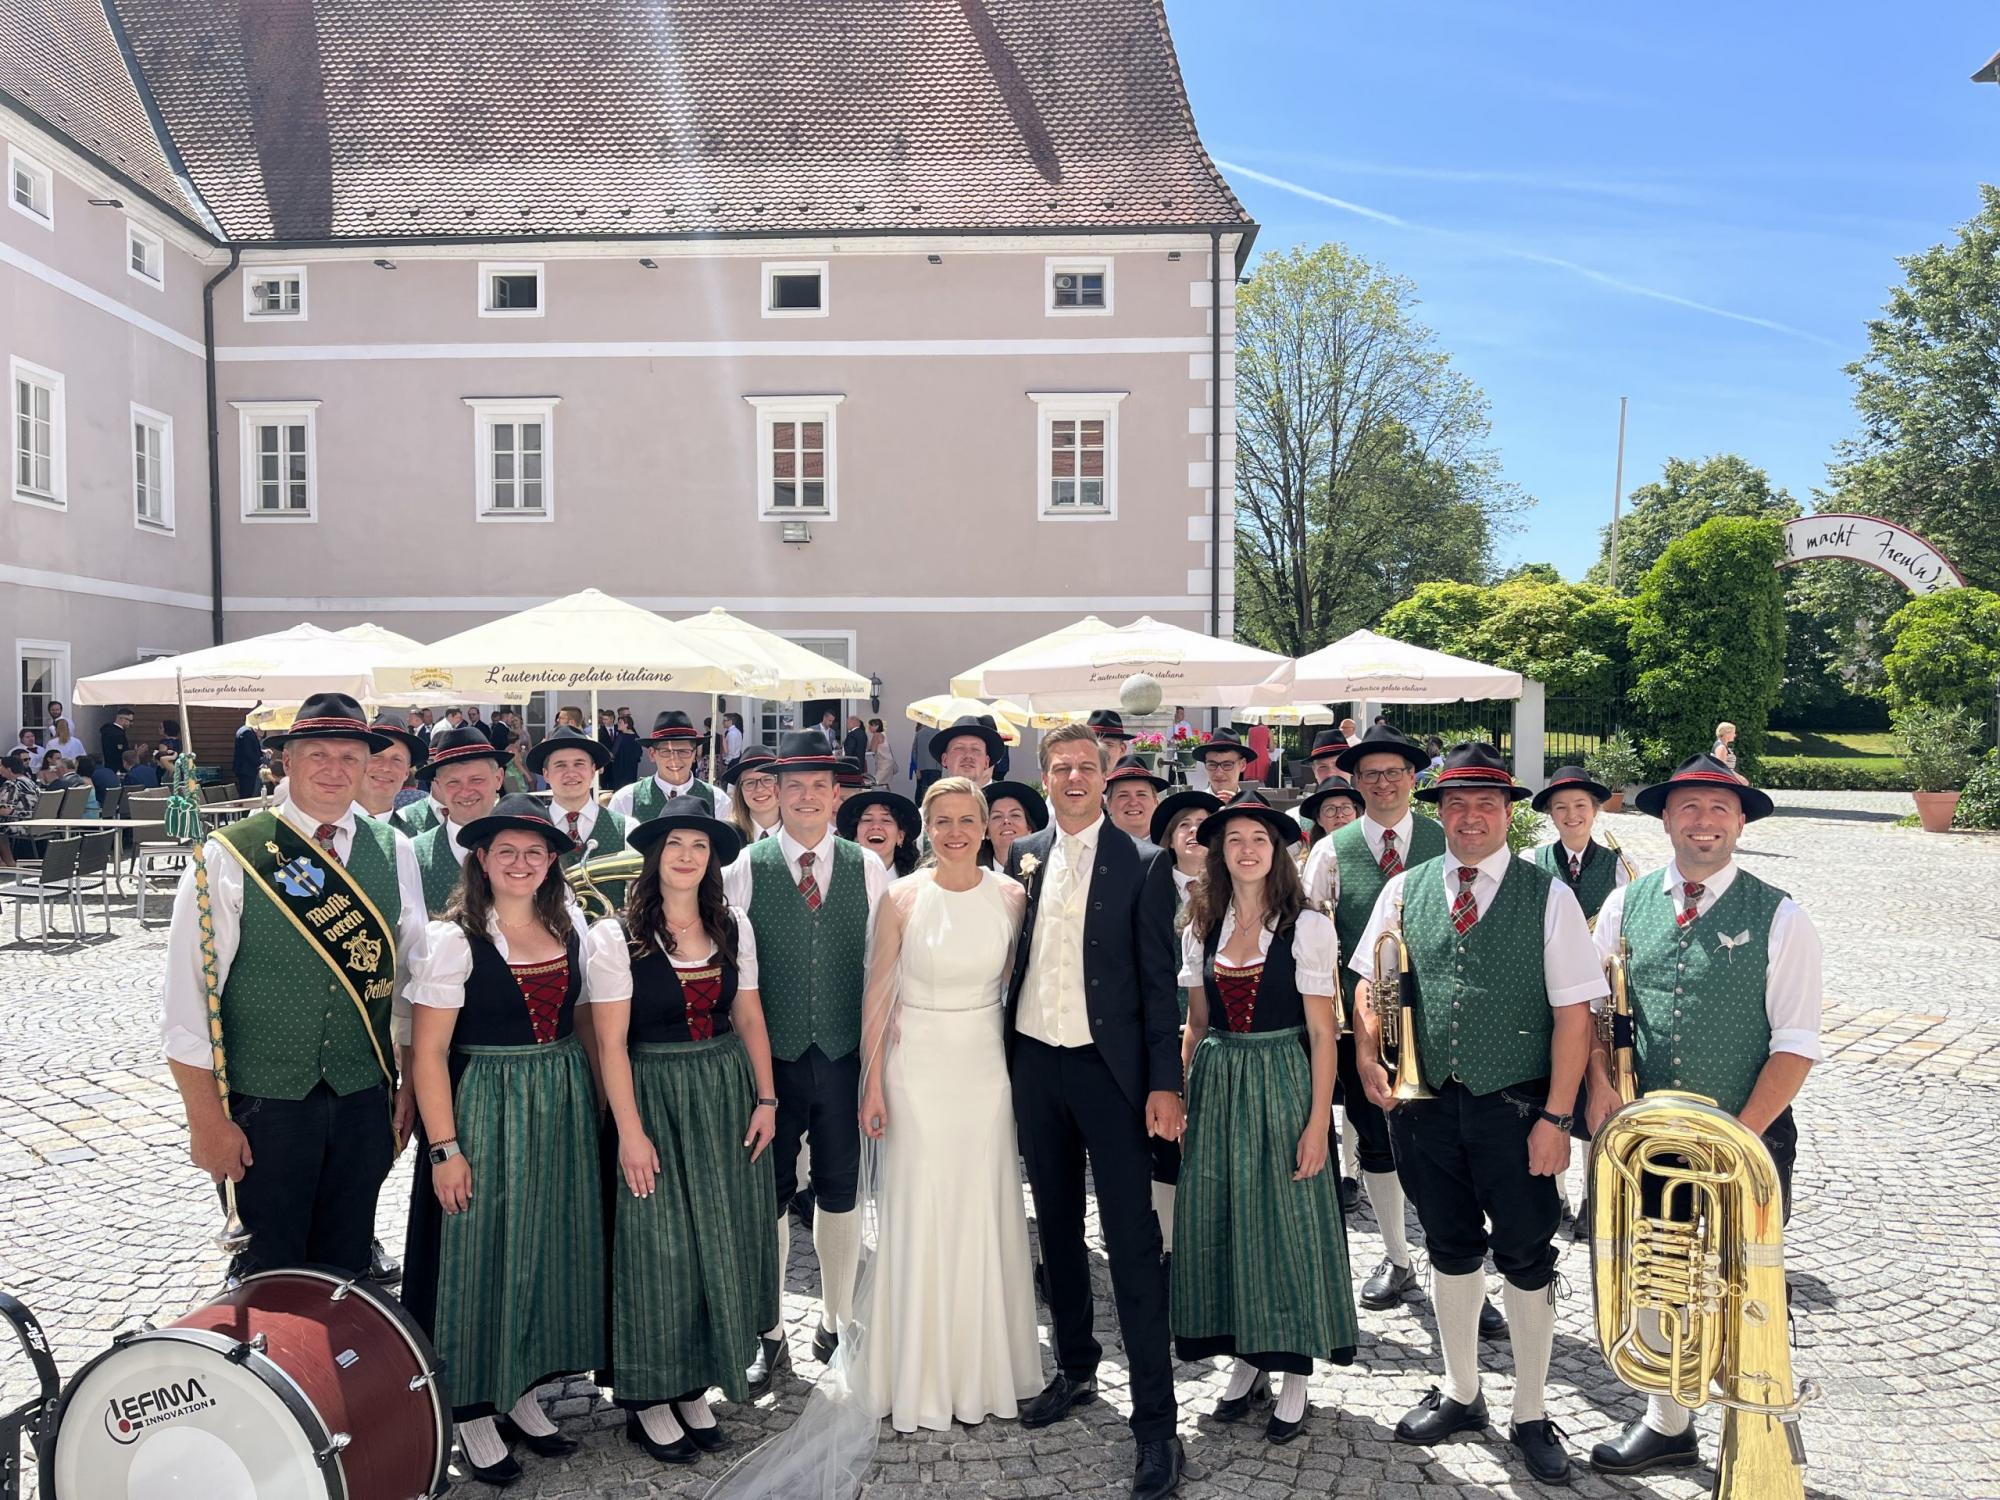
(648, 799)
(414, 817)
(437, 865)
(287, 1023)
(608, 835)
(810, 964)
(1599, 878)
(1699, 1021)
(1482, 1007)
(1361, 881)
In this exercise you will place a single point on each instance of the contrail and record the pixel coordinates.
(1533, 257)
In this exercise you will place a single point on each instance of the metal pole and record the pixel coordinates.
(1618, 491)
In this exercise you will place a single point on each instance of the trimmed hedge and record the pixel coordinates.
(1807, 773)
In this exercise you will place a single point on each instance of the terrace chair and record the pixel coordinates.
(112, 803)
(74, 802)
(54, 880)
(93, 873)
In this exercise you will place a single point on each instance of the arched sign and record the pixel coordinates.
(1883, 545)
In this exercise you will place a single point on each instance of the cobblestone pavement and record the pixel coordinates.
(1894, 1250)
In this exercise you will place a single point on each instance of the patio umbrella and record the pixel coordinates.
(784, 668)
(1088, 669)
(971, 683)
(1284, 714)
(284, 666)
(941, 709)
(1027, 718)
(1366, 667)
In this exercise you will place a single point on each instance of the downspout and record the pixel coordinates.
(1214, 432)
(214, 445)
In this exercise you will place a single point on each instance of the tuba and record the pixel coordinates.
(583, 877)
(1711, 1266)
(1395, 1010)
(1614, 1025)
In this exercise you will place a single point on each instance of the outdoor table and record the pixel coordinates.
(116, 827)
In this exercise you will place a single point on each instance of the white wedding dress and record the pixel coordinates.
(951, 1331)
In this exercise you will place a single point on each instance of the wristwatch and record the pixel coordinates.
(767, 1103)
(443, 1152)
(1561, 1122)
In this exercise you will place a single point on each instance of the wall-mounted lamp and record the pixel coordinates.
(649, 263)
(387, 265)
(874, 694)
(1173, 255)
(107, 202)
(795, 532)
(936, 260)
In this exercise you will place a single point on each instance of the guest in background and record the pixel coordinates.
(29, 744)
(1257, 773)
(753, 794)
(881, 760)
(388, 774)
(924, 767)
(246, 756)
(886, 824)
(1013, 810)
(112, 737)
(58, 775)
(1131, 792)
(170, 736)
(1724, 748)
(829, 728)
(104, 780)
(63, 742)
(624, 752)
(854, 744)
(732, 737)
(1224, 758)
(18, 791)
(1336, 804)
(152, 773)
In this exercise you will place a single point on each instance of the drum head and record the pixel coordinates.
(167, 1416)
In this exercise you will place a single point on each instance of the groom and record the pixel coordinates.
(1093, 1044)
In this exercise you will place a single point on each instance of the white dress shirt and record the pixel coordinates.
(1571, 968)
(585, 821)
(1182, 883)
(611, 960)
(439, 980)
(184, 996)
(621, 800)
(732, 746)
(1372, 831)
(1053, 1005)
(1315, 952)
(1620, 876)
(1792, 985)
(737, 885)
(1322, 873)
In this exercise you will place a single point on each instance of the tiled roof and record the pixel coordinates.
(304, 120)
(60, 64)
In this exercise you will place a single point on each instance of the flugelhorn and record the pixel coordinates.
(584, 875)
(1614, 1024)
(1396, 1012)
(1611, 843)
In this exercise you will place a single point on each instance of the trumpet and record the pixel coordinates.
(1395, 1010)
(584, 875)
(1614, 1025)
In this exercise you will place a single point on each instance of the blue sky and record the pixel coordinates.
(1562, 182)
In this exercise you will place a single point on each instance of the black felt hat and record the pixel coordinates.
(724, 842)
(1284, 831)
(754, 758)
(1705, 771)
(1382, 739)
(1472, 765)
(562, 737)
(1032, 802)
(1132, 768)
(1109, 724)
(1570, 779)
(847, 820)
(403, 735)
(1220, 741)
(804, 750)
(1327, 744)
(672, 724)
(459, 742)
(1338, 787)
(1172, 807)
(848, 773)
(330, 716)
(979, 725)
(516, 811)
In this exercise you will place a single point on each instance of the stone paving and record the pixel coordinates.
(1894, 1248)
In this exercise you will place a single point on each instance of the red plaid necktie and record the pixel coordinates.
(1691, 889)
(1465, 911)
(573, 834)
(1575, 865)
(323, 836)
(1391, 862)
(808, 885)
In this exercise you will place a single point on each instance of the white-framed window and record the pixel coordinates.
(152, 469)
(41, 677)
(795, 288)
(1077, 287)
(275, 294)
(514, 457)
(40, 467)
(280, 460)
(796, 457)
(145, 254)
(510, 289)
(1076, 465)
(31, 187)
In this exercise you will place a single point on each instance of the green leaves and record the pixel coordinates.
(1570, 636)
(1946, 652)
(1687, 493)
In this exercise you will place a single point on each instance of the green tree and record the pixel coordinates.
(1362, 465)
(1946, 652)
(1570, 636)
(1834, 614)
(1928, 394)
(1708, 637)
(1533, 573)
(1687, 493)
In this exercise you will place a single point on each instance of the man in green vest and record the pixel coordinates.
(1571, 801)
(811, 899)
(1499, 1020)
(1723, 977)
(570, 761)
(675, 743)
(464, 775)
(315, 915)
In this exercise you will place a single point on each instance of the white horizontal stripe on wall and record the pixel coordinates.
(105, 588)
(704, 349)
(22, 261)
(500, 604)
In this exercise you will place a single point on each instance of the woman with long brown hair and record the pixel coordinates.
(686, 1062)
(1261, 1270)
(505, 1256)
(753, 794)
(1176, 828)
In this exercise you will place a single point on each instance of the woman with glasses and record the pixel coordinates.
(753, 794)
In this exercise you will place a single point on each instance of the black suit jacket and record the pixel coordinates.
(1131, 959)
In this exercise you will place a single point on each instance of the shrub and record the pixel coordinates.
(1979, 807)
(1614, 763)
(1937, 745)
(1947, 650)
(1808, 773)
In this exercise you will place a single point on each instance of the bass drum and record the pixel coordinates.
(296, 1383)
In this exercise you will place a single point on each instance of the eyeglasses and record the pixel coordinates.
(538, 854)
(757, 783)
(1383, 778)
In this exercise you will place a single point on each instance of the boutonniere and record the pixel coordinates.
(1029, 864)
(1726, 944)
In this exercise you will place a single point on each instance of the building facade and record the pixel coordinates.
(901, 339)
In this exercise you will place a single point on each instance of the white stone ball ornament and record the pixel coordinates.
(1140, 695)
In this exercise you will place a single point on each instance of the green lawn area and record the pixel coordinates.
(1878, 748)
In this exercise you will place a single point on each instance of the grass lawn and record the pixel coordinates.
(1878, 749)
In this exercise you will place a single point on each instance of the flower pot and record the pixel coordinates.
(1936, 809)
(1616, 802)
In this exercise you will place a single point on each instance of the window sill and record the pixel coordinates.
(510, 312)
(796, 513)
(45, 501)
(515, 517)
(795, 312)
(157, 528)
(1080, 513)
(1077, 312)
(281, 517)
(274, 317)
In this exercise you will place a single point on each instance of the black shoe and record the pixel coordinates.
(1579, 1227)
(1541, 1445)
(500, 1475)
(1158, 1473)
(1387, 1285)
(803, 1203)
(708, 1439)
(1234, 1409)
(680, 1451)
(1638, 1448)
(1056, 1399)
(1278, 1430)
(1437, 1417)
(1350, 1196)
(772, 1356)
(1492, 1321)
(555, 1445)
(382, 1266)
(825, 1341)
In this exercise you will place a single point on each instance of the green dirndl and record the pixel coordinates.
(521, 1272)
(1260, 1261)
(695, 1266)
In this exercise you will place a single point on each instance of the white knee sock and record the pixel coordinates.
(481, 1441)
(660, 1424)
(1163, 1210)
(1531, 1329)
(530, 1418)
(1350, 1147)
(837, 1240)
(1664, 1415)
(1458, 1300)
(1385, 1193)
(1241, 1378)
(1292, 1398)
(696, 1413)
(777, 1329)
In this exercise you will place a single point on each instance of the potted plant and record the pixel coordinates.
(1147, 747)
(1615, 764)
(1936, 745)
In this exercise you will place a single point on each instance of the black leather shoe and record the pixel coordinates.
(1579, 1227)
(1542, 1450)
(1350, 1196)
(825, 1341)
(500, 1475)
(1492, 1321)
(382, 1266)
(1387, 1285)
(1278, 1430)
(1158, 1473)
(1056, 1399)
(1638, 1448)
(772, 1356)
(680, 1451)
(1234, 1410)
(1437, 1417)
(555, 1445)
(708, 1439)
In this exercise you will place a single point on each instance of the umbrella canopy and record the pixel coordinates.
(785, 669)
(1284, 714)
(1007, 708)
(1087, 670)
(971, 683)
(285, 666)
(1373, 668)
(941, 709)
(582, 642)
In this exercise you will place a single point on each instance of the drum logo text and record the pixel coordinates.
(126, 1417)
